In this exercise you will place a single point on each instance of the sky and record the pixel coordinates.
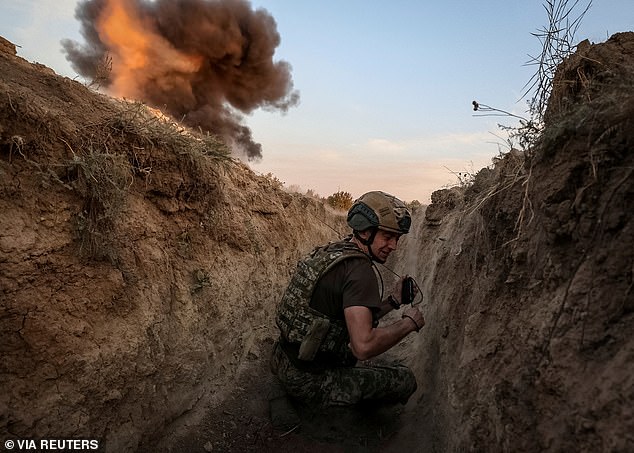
(385, 86)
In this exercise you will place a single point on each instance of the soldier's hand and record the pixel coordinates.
(415, 317)
(397, 291)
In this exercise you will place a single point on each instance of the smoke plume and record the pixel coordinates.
(205, 62)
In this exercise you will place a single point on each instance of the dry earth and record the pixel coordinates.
(140, 271)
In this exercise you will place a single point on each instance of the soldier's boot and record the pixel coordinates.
(283, 415)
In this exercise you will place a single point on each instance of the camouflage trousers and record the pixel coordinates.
(344, 386)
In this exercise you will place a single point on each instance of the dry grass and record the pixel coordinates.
(557, 39)
(103, 178)
(147, 127)
(109, 158)
(102, 72)
(507, 171)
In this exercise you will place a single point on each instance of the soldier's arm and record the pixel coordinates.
(384, 309)
(393, 300)
(367, 341)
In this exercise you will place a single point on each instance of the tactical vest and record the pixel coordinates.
(303, 325)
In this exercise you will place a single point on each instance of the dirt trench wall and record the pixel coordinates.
(529, 283)
(123, 304)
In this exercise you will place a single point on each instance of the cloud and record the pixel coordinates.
(383, 145)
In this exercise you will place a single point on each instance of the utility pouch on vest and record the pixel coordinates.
(313, 339)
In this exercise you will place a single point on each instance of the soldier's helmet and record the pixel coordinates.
(381, 210)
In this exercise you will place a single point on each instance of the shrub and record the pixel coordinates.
(340, 200)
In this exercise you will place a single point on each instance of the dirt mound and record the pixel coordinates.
(593, 73)
(140, 264)
(529, 343)
(141, 267)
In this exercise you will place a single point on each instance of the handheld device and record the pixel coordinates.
(407, 291)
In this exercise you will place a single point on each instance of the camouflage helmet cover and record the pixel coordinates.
(381, 210)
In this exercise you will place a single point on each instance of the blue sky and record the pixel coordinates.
(385, 87)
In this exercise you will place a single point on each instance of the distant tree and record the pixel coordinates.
(294, 188)
(340, 200)
(311, 193)
(414, 205)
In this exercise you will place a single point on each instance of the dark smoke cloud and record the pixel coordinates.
(235, 44)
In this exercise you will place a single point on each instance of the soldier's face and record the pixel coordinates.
(385, 242)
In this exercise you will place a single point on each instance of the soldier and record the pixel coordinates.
(329, 315)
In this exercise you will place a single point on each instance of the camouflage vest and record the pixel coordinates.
(301, 324)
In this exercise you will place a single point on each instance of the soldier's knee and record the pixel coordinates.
(407, 383)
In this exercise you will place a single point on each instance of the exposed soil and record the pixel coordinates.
(140, 272)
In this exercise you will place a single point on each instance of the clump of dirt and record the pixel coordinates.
(141, 266)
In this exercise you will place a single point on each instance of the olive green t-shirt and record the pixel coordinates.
(352, 282)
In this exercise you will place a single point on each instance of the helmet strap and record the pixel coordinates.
(368, 242)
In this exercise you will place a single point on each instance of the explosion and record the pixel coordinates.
(202, 61)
